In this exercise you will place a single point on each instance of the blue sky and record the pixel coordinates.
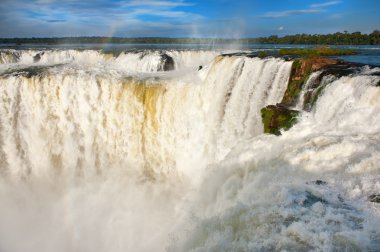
(185, 18)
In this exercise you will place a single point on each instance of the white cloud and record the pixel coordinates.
(278, 14)
(314, 8)
(153, 3)
(45, 1)
(159, 8)
(325, 4)
(162, 13)
(281, 28)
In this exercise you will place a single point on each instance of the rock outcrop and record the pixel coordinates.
(37, 57)
(283, 116)
(301, 70)
(167, 63)
(277, 117)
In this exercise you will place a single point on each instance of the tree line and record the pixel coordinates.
(339, 38)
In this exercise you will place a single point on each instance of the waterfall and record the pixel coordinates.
(132, 61)
(90, 122)
(103, 152)
(305, 88)
(306, 190)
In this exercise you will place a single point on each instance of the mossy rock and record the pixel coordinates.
(316, 95)
(300, 72)
(311, 97)
(334, 72)
(277, 117)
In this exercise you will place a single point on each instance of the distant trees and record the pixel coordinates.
(375, 37)
(355, 38)
(339, 38)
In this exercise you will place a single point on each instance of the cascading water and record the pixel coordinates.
(307, 87)
(110, 153)
(131, 61)
(304, 191)
(152, 123)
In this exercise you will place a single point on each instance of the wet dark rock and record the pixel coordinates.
(341, 69)
(30, 71)
(27, 72)
(300, 73)
(277, 117)
(167, 63)
(318, 182)
(290, 220)
(375, 198)
(311, 97)
(37, 57)
(340, 198)
(311, 199)
(376, 73)
(142, 54)
(281, 116)
(308, 199)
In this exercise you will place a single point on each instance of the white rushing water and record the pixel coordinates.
(306, 87)
(131, 61)
(109, 153)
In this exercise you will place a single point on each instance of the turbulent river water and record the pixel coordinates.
(165, 151)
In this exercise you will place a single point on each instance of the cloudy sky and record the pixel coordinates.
(185, 18)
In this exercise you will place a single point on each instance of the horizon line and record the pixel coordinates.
(157, 37)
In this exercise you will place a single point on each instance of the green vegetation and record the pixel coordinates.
(355, 38)
(299, 74)
(262, 54)
(278, 117)
(281, 116)
(320, 51)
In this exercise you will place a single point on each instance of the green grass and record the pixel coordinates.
(321, 51)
